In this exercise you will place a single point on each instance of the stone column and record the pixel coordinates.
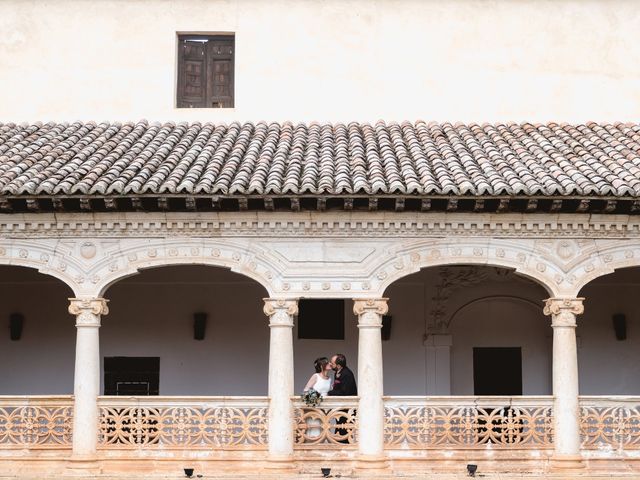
(370, 383)
(281, 421)
(566, 409)
(438, 351)
(86, 381)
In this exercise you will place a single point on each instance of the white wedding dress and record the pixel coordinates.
(314, 425)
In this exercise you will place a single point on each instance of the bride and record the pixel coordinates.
(321, 383)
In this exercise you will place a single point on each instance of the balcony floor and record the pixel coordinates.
(416, 476)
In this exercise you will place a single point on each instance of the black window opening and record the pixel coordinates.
(206, 71)
(321, 319)
(497, 371)
(132, 376)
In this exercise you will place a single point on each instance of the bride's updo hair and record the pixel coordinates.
(320, 364)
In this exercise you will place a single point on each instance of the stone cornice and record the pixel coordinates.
(315, 224)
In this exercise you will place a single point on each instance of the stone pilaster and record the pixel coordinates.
(566, 409)
(370, 383)
(86, 382)
(281, 421)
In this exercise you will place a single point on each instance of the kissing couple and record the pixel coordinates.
(332, 377)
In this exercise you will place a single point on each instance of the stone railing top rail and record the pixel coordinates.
(329, 401)
(35, 400)
(182, 401)
(609, 400)
(464, 401)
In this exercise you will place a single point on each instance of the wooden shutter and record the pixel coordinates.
(205, 71)
(220, 72)
(192, 74)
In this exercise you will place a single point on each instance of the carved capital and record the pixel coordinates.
(280, 311)
(563, 311)
(88, 310)
(378, 306)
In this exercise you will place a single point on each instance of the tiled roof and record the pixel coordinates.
(590, 160)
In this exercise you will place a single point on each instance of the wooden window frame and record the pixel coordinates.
(210, 101)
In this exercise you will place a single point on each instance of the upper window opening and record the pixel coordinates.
(205, 71)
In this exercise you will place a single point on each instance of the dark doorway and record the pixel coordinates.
(131, 375)
(497, 371)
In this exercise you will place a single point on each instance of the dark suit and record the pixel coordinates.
(343, 385)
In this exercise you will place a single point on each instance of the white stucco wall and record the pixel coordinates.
(331, 60)
(151, 315)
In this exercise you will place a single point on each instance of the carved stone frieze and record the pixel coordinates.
(357, 260)
(317, 224)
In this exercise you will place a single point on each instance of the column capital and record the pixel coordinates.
(374, 305)
(563, 311)
(88, 310)
(280, 310)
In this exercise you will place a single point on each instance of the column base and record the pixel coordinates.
(281, 465)
(372, 465)
(566, 463)
(83, 465)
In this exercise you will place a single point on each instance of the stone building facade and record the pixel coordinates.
(453, 239)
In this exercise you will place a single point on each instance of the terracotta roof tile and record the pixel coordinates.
(271, 159)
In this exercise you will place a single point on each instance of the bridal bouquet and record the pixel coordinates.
(311, 398)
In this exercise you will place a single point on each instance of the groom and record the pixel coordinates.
(344, 385)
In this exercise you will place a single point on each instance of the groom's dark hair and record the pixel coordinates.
(341, 360)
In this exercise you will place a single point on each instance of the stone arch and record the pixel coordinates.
(518, 255)
(46, 258)
(132, 257)
(607, 259)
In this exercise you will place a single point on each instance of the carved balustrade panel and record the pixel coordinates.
(334, 422)
(182, 423)
(610, 422)
(420, 423)
(34, 422)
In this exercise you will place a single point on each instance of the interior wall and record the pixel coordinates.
(151, 314)
(42, 361)
(606, 365)
(506, 318)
